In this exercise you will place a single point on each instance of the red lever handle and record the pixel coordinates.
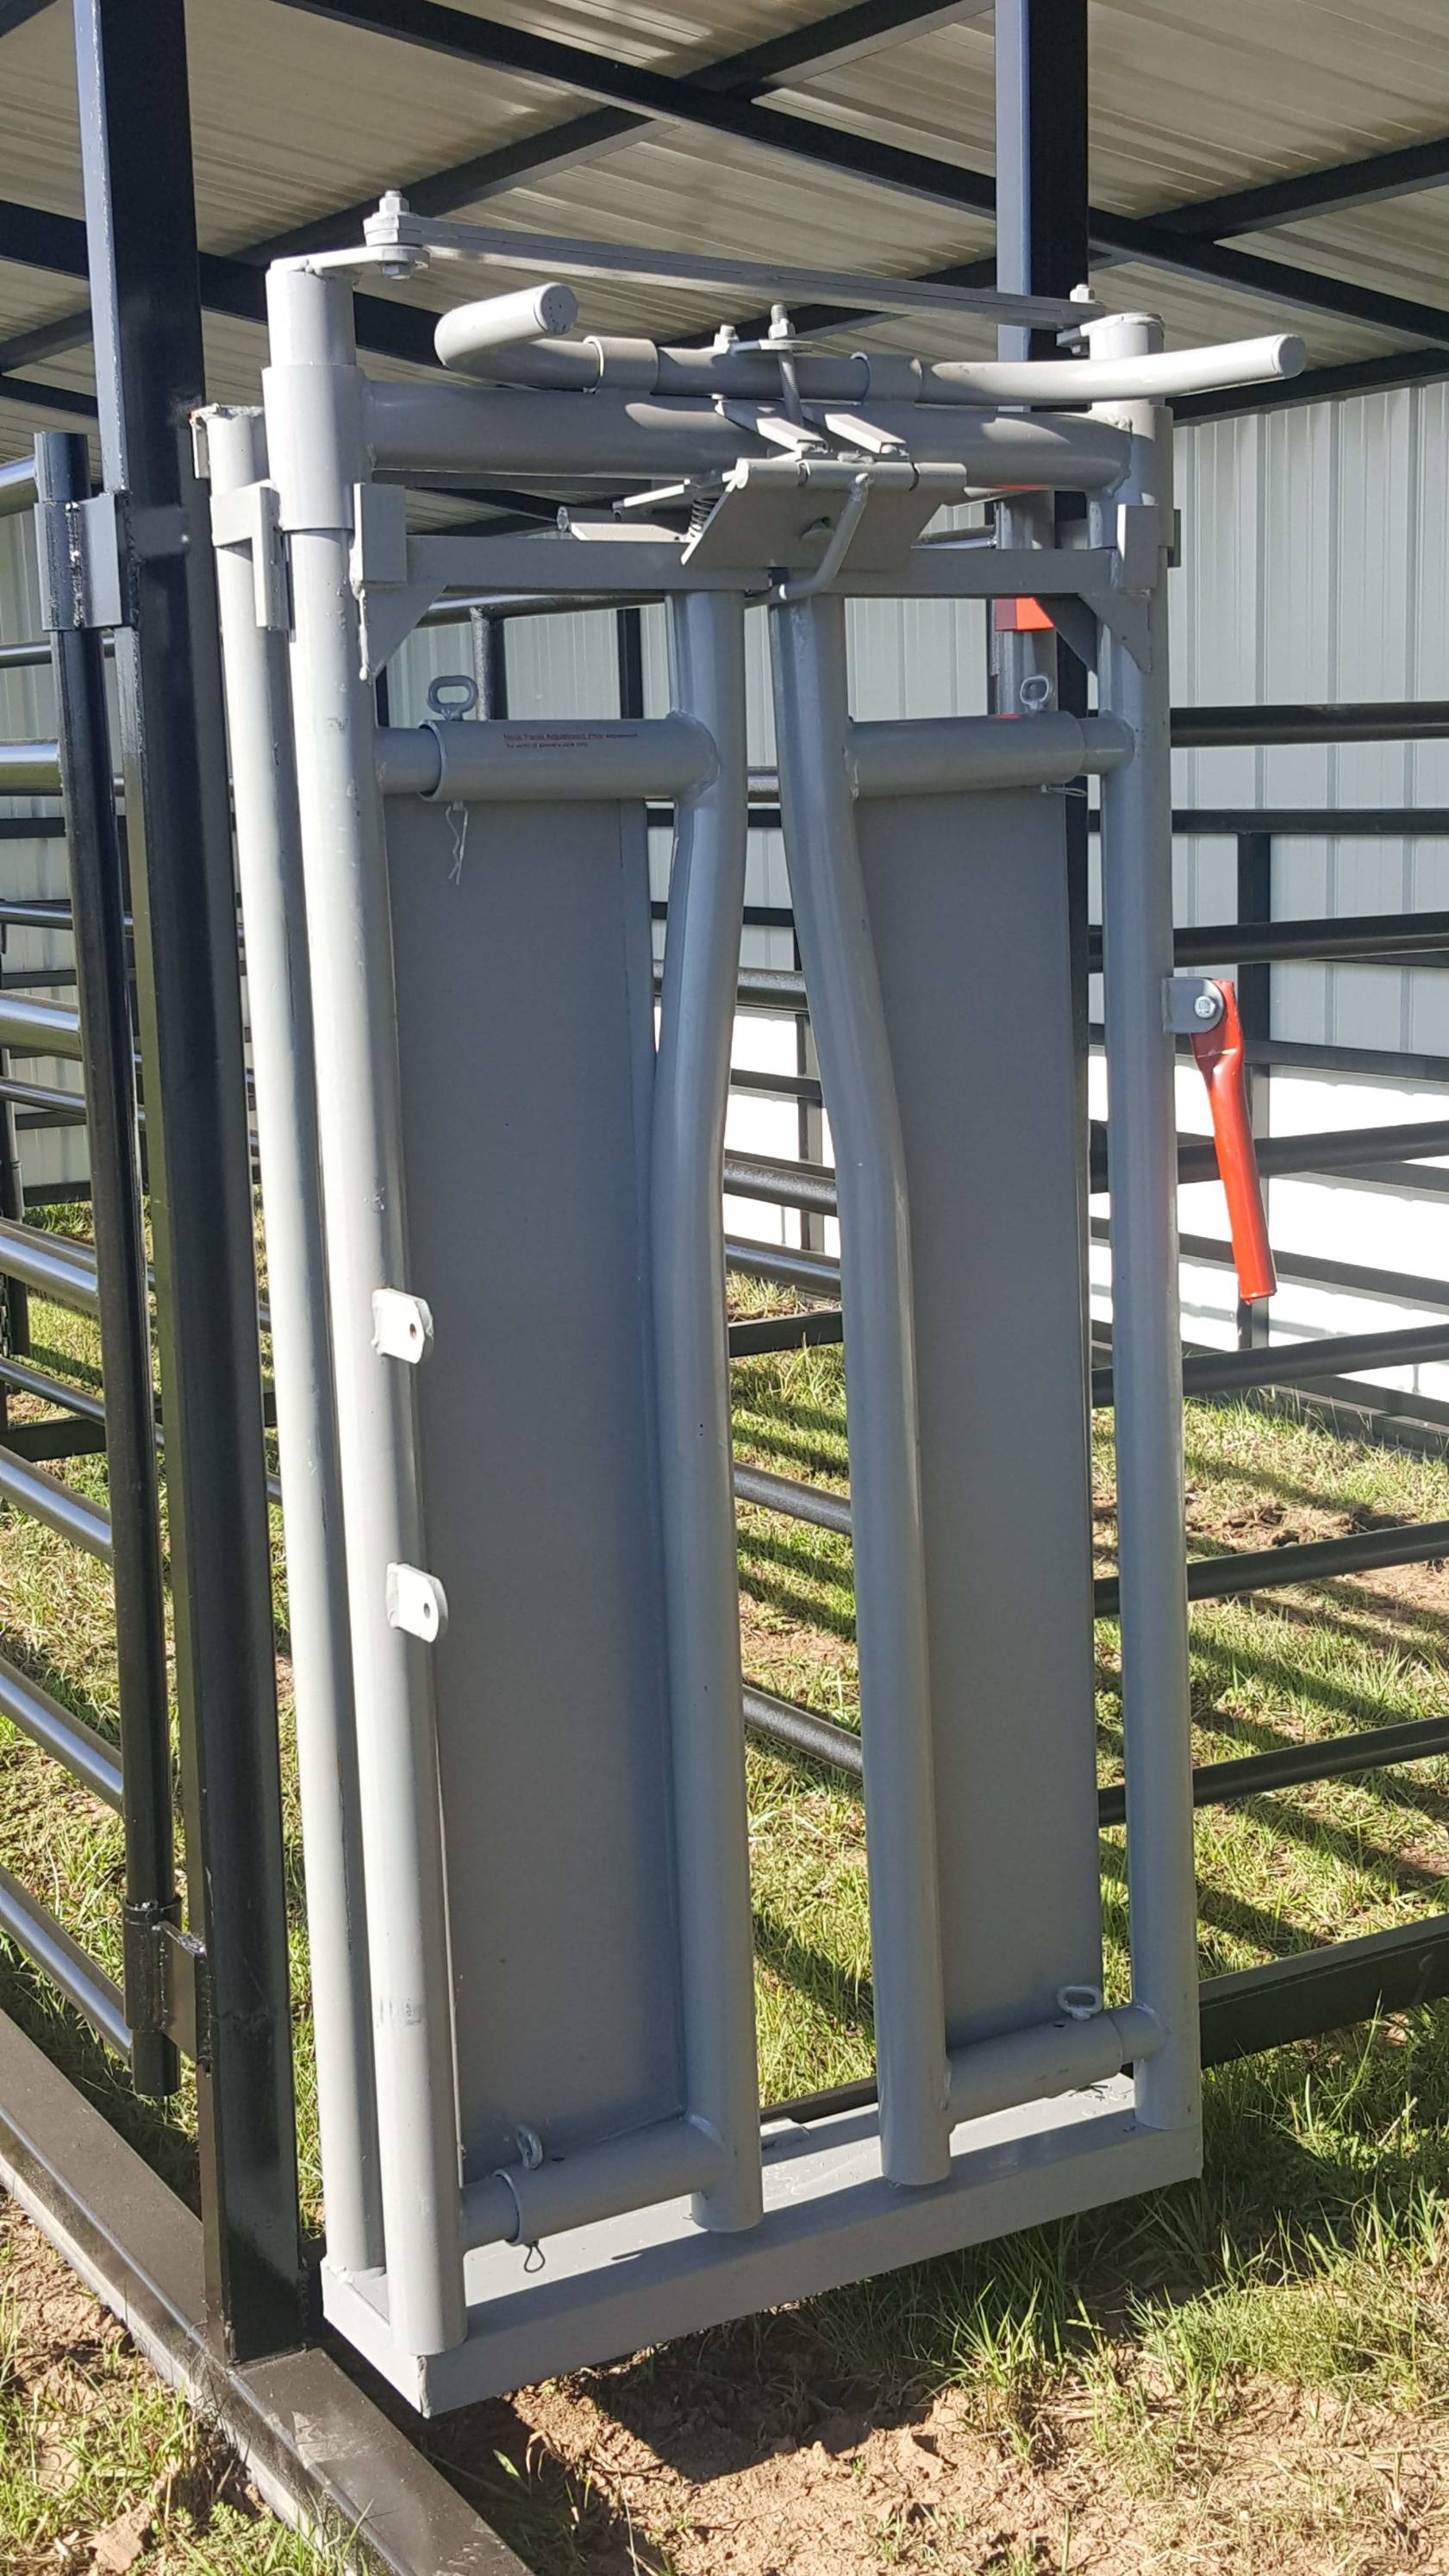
(1220, 1054)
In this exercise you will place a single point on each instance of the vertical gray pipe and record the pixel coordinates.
(313, 406)
(701, 1582)
(833, 929)
(269, 869)
(1146, 1330)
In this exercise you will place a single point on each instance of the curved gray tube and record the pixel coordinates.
(832, 925)
(467, 341)
(701, 1581)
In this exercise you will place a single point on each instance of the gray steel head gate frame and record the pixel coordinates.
(990, 2026)
(530, 1923)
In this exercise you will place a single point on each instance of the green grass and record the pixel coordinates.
(1314, 2255)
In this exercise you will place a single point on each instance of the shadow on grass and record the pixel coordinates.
(1282, 2201)
(159, 2131)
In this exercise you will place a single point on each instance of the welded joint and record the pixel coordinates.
(402, 1325)
(167, 1984)
(378, 571)
(1190, 1004)
(416, 1603)
(81, 556)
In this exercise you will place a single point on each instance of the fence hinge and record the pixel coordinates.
(83, 556)
(168, 1984)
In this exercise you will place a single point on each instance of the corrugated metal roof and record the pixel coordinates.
(296, 116)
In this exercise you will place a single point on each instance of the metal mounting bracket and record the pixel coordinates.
(1190, 1004)
(250, 518)
(416, 1602)
(390, 605)
(82, 552)
(402, 1325)
(168, 1985)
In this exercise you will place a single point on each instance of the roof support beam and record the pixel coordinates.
(820, 45)
(1317, 192)
(466, 37)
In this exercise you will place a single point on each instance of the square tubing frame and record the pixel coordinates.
(141, 231)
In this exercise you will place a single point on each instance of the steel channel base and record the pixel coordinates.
(319, 2449)
(830, 2218)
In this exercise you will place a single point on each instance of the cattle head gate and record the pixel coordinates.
(505, 1439)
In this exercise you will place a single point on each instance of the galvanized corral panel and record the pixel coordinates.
(34, 868)
(1316, 568)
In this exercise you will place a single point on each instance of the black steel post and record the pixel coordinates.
(1058, 257)
(629, 651)
(12, 1205)
(108, 1060)
(140, 217)
(1255, 904)
(488, 637)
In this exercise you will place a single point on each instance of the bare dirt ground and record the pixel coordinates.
(690, 2463)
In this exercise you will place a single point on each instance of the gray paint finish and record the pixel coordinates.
(527, 1150)
(968, 909)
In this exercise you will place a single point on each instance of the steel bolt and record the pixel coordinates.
(1206, 1007)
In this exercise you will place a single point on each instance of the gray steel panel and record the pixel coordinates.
(968, 907)
(526, 1040)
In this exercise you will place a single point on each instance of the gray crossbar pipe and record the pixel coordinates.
(49, 1947)
(87, 1756)
(46, 1498)
(811, 715)
(518, 2205)
(51, 1263)
(17, 486)
(451, 428)
(1295, 1766)
(38, 1028)
(943, 755)
(269, 870)
(1330, 1150)
(474, 762)
(800, 1502)
(781, 1184)
(799, 1730)
(1366, 720)
(1137, 932)
(317, 450)
(783, 1265)
(1348, 936)
(1290, 1364)
(29, 769)
(692, 1405)
(1320, 1560)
